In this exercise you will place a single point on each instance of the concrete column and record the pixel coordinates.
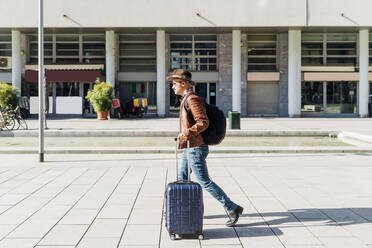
(236, 70)
(294, 73)
(224, 89)
(160, 73)
(16, 59)
(110, 57)
(282, 55)
(363, 72)
(244, 70)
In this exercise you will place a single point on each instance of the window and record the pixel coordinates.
(33, 89)
(137, 52)
(69, 48)
(312, 49)
(193, 52)
(370, 49)
(48, 49)
(129, 90)
(94, 48)
(67, 89)
(207, 91)
(330, 49)
(262, 52)
(5, 45)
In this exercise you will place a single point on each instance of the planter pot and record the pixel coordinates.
(102, 115)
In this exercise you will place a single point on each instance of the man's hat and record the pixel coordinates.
(181, 74)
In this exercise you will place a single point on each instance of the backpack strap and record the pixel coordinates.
(186, 104)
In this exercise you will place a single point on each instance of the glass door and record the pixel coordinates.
(341, 97)
(312, 97)
(370, 100)
(207, 91)
(87, 106)
(329, 98)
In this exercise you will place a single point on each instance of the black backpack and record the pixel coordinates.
(216, 130)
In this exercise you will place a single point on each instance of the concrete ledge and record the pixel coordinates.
(163, 133)
(143, 150)
(356, 136)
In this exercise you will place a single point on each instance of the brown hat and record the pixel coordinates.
(181, 74)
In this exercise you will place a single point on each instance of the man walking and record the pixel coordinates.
(193, 121)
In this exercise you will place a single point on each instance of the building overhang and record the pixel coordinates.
(263, 76)
(65, 75)
(324, 68)
(68, 67)
(333, 76)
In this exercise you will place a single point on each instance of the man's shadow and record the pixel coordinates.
(273, 221)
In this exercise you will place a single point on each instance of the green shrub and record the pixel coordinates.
(8, 96)
(100, 96)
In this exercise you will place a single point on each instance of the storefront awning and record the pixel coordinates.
(65, 75)
(67, 67)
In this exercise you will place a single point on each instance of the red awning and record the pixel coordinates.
(65, 75)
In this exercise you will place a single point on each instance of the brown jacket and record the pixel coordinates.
(194, 122)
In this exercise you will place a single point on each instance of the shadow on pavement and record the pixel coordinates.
(318, 217)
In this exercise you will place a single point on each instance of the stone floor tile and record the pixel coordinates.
(326, 229)
(138, 246)
(141, 235)
(259, 237)
(71, 195)
(4, 208)
(342, 242)
(361, 231)
(67, 235)
(308, 246)
(115, 212)
(106, 228)
(144, 216)
(5, 229)
(98, 243)
(13, 243)
(219, 235)
(295, 235)
(89, 177)
(308, 213)
(122, 198)
(12, 199)
(47, 246)
(79, 217)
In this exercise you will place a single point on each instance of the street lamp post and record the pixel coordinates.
(41, 81)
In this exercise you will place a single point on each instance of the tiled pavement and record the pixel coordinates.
(313, 200)
(359, 125)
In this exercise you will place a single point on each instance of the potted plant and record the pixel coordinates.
(101, 99)
(8, 96)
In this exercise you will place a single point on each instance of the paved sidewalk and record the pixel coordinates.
(108, 201)
(359, 125)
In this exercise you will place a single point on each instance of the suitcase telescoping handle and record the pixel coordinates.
(188, 159)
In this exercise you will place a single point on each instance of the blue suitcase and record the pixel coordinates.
(184, 207)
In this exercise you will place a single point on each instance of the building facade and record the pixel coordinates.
(285, 58)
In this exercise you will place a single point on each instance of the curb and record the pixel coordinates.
(356, 136)
(164, 133)
(168, 150)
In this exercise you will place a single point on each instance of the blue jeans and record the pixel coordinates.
(199, 167)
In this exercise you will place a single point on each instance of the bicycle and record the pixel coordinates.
(6, 119)
(17, 116)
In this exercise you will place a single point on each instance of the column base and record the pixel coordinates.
(363, 115)
(294, 115)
